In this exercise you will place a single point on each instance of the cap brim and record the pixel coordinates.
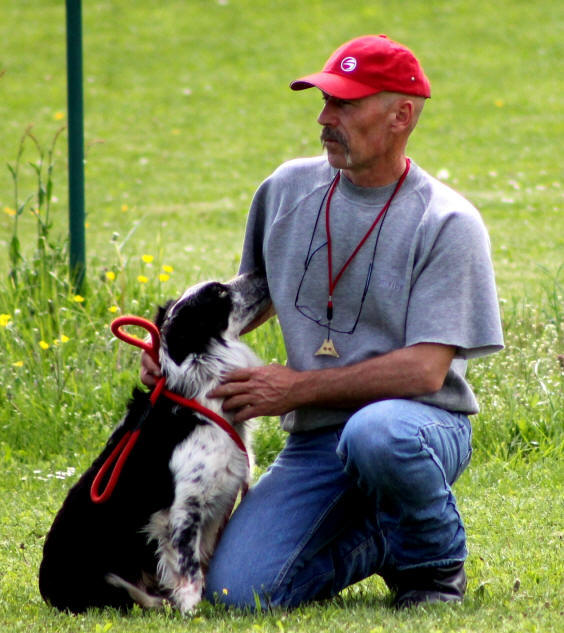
(334, 85)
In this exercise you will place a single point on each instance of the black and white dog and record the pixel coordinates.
(151, 540)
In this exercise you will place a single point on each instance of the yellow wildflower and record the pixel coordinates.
(44, 345)
(142, 279)
(59, 116)
(147, 259)
(78, 299)
(5, 319)
(110, 275)
(9, 211)
(113, 309)
(18, 363)
(164, 277)
(124, 208)
(168, 269)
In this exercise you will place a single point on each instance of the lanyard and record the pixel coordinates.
(333, 281)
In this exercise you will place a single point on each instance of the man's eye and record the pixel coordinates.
(338, 103)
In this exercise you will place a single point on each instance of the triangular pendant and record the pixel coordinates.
(327, 349)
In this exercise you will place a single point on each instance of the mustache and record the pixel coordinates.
(329, 134)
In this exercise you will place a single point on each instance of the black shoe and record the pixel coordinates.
(427, 585)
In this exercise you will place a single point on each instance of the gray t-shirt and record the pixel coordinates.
(423, 276)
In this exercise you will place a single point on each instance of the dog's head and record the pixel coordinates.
(207, 320)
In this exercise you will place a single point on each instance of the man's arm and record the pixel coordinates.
(274, 390)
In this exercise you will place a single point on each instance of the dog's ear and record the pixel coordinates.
(161, 312)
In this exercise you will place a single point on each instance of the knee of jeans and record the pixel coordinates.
(374, 440)
(366, 437)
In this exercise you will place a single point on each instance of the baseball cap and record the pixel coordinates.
(368, 65)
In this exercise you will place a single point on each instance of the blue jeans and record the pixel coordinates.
(343, 503)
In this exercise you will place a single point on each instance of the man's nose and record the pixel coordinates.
(327, 116)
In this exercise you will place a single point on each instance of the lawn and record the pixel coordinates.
(187, 109)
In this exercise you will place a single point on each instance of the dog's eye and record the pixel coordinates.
(222, 292)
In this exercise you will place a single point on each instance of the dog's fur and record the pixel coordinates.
(151, 540)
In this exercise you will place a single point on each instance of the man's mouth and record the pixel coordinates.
(333, 136)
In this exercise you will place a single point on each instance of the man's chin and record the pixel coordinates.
(337, 159)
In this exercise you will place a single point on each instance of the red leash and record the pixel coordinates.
(121, 452)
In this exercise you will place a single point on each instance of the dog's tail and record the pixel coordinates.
(136, 593)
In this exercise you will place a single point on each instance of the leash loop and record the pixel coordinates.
(151, 347)
(117, 457)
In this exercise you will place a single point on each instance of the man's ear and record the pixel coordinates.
(404, 113)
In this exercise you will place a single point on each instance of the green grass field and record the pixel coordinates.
(187, 109)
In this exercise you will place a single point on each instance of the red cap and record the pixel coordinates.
(368, 65)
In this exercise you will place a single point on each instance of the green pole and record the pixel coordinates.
(75, 143)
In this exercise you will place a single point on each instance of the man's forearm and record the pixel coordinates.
(404, 373)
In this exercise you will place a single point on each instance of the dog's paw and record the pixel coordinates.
(187, 595)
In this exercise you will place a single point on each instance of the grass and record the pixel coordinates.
(187, 110)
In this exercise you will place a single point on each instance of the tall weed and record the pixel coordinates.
(521, 390)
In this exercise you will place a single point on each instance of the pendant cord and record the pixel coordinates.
(334, 281)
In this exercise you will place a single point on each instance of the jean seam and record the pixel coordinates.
(459, 426)
(433, 456)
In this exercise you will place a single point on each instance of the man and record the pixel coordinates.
(382, 281)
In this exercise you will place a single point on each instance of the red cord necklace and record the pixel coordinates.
(327, 347)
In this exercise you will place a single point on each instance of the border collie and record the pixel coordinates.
(150, 541)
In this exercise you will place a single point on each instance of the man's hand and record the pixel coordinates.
(258, 391)
(150, 371)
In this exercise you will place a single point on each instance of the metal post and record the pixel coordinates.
(75, 143)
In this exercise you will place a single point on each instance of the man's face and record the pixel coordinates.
(356, 133)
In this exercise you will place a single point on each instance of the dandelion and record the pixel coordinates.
(142, 279)
(124, 207)
(44, 345)
(499, 103)
(9, 211)
(78, 299)
(148, 259)
(59, 116)
(225, 591)
(110, 275)
(164, 277)
(168, 269)
(62, 340)
(5, 319)
(18, 363)
(113, 309)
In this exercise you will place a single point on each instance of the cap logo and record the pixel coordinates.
(348, 64)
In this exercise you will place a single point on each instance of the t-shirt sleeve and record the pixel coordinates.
(453, 298)
(252, 256)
